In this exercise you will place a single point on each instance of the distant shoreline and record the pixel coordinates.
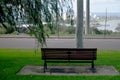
(102, 14)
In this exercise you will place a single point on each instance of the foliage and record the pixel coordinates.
(2, 30)
(35, 12)
(97, 31)
(70, 30)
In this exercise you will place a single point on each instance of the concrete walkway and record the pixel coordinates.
(68, 70)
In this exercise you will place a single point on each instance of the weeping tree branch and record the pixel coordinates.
(35, 12)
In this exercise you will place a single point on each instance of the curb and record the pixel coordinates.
(66, 37)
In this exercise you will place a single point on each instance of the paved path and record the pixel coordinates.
(108, 44)
(68, 70)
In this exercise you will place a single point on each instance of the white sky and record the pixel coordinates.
(102, 5)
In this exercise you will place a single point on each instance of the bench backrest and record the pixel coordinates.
(69, 53)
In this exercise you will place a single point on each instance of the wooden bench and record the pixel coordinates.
(69, 55)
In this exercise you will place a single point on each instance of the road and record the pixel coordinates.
(102, 44)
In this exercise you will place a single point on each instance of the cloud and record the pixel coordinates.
(101, 5)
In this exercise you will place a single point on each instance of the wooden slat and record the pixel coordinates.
(69, 53)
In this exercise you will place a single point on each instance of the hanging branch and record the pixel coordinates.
(34, 12)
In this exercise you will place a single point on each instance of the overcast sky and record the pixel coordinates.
(102, 5)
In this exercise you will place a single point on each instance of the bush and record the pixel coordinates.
(70, 30)
(97, 31)
(2, 30)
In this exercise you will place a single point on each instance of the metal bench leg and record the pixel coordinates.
(92, 67)
(45, 66)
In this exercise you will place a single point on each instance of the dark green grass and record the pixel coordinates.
(12, 60)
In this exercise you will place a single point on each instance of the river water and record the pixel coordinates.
(111, 25)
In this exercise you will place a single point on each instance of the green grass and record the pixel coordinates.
(12, 60)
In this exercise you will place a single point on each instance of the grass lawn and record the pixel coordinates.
(12, 60)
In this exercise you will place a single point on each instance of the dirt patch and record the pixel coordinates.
(68, 70)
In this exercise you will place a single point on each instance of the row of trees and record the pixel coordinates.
(63, 30)
(68, 30)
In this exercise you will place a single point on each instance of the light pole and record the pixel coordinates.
(79, 29)
(57, 19)
(87, 25)
(105, 24)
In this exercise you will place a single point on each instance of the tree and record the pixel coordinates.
(6, 16)
(34, 12)
(70, 16)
